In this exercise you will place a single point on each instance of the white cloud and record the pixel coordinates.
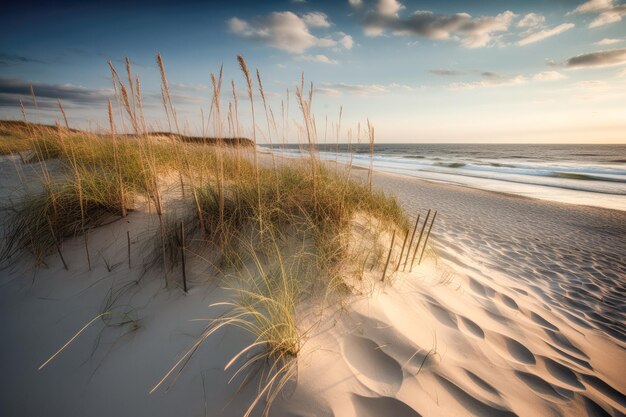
(326, 42)
(608, 11)
(608, 41)
(355, 3)
(404, 87)
(479, 32)
(316, 58)
(287, 31)
(548, 76)
(489, 83)
(346, 40)
(491, 80)
(598, 59)
(594, 6)
(469, 31)
(339, 89)
(282, 30)
(316, 20)
(389, 7)
(531, 20)
(545, 33)
(355, 89)
(608, 17)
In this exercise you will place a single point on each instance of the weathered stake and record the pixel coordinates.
(182, 253)
(61, 256)
(128, 240)
(419, 240)
(427, 235)
(406, 236)
(393, 237)
(87, 248)
(408, 251)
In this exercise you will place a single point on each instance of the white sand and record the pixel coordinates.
(523, 313)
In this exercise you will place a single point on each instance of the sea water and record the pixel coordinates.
(593, 175)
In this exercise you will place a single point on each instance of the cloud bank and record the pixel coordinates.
(544, 34)
(316, 58)
(598, 59)
(288, 31)
(471, 32)
(492, 79)
(12, 90)
(607, 12)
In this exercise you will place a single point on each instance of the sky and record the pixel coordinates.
(420, 71)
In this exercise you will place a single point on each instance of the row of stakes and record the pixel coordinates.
(393, 237)
(408, 250)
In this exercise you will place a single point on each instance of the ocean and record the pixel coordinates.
(593, 175)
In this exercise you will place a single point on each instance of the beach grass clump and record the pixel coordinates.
(266, 290)
(280, 233)
(265, 302)
(14, 137)
(287, 200)
(40, 221)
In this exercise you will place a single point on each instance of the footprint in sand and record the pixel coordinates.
(469, 327)
(372, 367)
(571, 358)
(543, 388)
(509, 302)
(482, 383)
(480, 289)
(605, 389)
(445, 317)
(511, 349)
(563, 374)
(563, 342)
(473, 405)
(381, 407)
(542, 322)
(593, 409)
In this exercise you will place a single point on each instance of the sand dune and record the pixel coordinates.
(521, 313)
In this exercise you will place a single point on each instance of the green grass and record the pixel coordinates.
(64, 209)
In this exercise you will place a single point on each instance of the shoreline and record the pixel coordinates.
(563, 204)
(546, 192)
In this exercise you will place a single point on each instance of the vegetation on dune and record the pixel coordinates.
(279, 233)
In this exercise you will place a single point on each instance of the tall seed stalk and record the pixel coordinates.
(305, 108)
(269, 133)
(217, 87)
(370, 135)
(246, 73)
(237, 131)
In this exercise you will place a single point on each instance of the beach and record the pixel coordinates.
(516, 309)
(361, 208)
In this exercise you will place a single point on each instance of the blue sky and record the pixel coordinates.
(500, 71)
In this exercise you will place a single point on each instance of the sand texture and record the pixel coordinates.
(518, 309)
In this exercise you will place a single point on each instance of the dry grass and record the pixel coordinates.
(278, 232)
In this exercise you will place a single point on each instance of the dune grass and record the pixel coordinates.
(279, 231)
